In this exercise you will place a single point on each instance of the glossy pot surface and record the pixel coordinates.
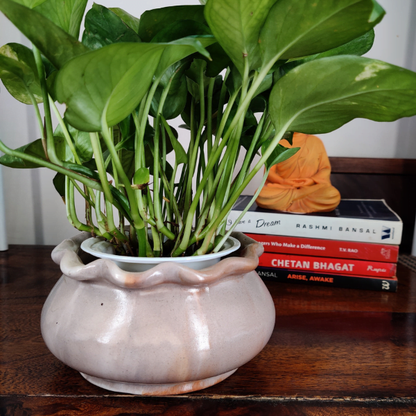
(167, 330)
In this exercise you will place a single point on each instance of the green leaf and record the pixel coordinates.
(174, 76)
(57, 45)
(110, 81)
(182, 48)
(320, 96)
(181, 29)
(18, 73)
(180, 154)
(66, 14)
(34, 149)
(127, 162)
(30, 3)
(82, 170)
(174, 103)
(81, 140)
(358, 46)
(279, 154)
(141, 176)
(234, 80)
(236, 24)
(378, 13)
(306, 27)
(220, 60)
(131, 21)
(103, 27)
(59, 184)
(153, 21)
(123, 203)
(62, 149)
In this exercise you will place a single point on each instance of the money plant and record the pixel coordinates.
(239, 74)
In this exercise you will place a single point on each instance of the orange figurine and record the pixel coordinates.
(302, 183)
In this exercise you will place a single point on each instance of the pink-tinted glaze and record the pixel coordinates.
(166, 326)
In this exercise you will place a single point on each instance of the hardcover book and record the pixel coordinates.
(369, 220)
(387, 284)
(327, 248)
(328, 265)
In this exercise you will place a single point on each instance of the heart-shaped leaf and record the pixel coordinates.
(306, 27)
(153, 21)
(131, 21)
(236, 24)
(110, 80)
(18, 73)
(322, 95)
(358, 46)
(34, 149)
(103, 27)
(57, 45)
(66, 14)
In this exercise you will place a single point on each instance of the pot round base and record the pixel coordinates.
(157, 389)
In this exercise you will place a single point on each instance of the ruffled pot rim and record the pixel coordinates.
(71, 265)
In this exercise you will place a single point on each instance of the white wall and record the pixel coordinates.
(396, 44)
(34, 211)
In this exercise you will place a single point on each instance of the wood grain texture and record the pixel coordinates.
(373, 165)
(390, 179)
(333, 351)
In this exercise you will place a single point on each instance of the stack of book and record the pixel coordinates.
(354, 246)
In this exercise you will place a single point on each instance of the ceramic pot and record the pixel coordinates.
(167, 330)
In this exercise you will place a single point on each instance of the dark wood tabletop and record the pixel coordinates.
(333, 352)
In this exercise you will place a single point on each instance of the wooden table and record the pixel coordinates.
(333, 352)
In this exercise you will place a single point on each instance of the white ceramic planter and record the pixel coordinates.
(99, 247)
(166, 330)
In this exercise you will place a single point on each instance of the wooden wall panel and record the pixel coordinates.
(391, 179)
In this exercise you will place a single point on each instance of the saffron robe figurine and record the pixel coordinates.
(302, 183)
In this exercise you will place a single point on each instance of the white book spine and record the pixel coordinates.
(329, 228)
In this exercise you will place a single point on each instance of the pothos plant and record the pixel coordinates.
(242, 74)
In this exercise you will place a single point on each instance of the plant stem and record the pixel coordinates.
(256, 194)
(70, 209)
(138, 223)
(217, 151)
(45, 96)
(65, 131)
(213, 226)
(46, 164)
(98, 156)
(39, 120)
(101, 220)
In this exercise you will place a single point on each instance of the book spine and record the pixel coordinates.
(327, 248)
(328, 265)
(388, 284)
(331, 228)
